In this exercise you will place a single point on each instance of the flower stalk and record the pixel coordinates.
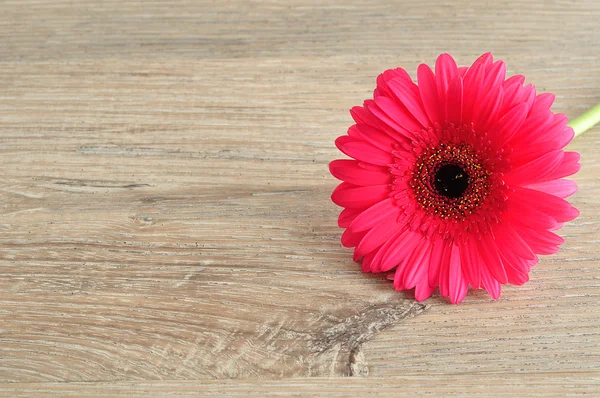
(586, 121)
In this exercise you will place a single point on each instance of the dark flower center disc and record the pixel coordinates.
(451, 181)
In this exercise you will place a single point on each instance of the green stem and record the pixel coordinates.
(586, 121)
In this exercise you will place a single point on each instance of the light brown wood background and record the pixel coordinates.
(165, 222)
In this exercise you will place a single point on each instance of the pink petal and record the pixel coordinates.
(543, 102)
(541, 242)
(457, 284)
(361, 115)
(535, 170)
(364, 151)
(489, 254)
(396, 239)
(516, 79)
(534, 127)
(352, 239)
(561, 188)
(495, 75)
(471, 263)
(490, 284)
(527, 153)
(454, 102)
(374, 136)
(558, 226)
(512, 260)
(557, 133)
(568, 166)
(550, 134)
(516, 270)
(557, 208)
(485, 60)
(364, 116)
(395, 115)
(377, 236)
(390, 74)
(347, 216)
(375, 214)
(408, 94)
(440, 254)
(486, 108)
(423, 290)
(509, 124)
(565, 138)
(445, 71)
(399, 250)
(524, 213)
(511, 243)
(521, 94)
(428, 92)
(398, 279)
(351, 171)
(417, 264)
(348, 195)
(510, 91)
(529, 95)
(444, 272)
(366, 261)
(472, 83)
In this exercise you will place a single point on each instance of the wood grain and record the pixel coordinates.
(164, 203)
(538, 385)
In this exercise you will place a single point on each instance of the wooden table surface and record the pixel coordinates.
(165, 222)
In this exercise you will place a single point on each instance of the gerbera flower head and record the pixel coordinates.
(456, 181)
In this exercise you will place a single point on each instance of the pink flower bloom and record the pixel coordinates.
(456, 181)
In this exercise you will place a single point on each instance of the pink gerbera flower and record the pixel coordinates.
(456, 181)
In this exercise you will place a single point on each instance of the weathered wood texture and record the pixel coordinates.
(165, 213)
(497, 385)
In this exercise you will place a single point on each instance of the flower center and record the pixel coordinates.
(449, 176)
(451, 181)
(452, 173)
